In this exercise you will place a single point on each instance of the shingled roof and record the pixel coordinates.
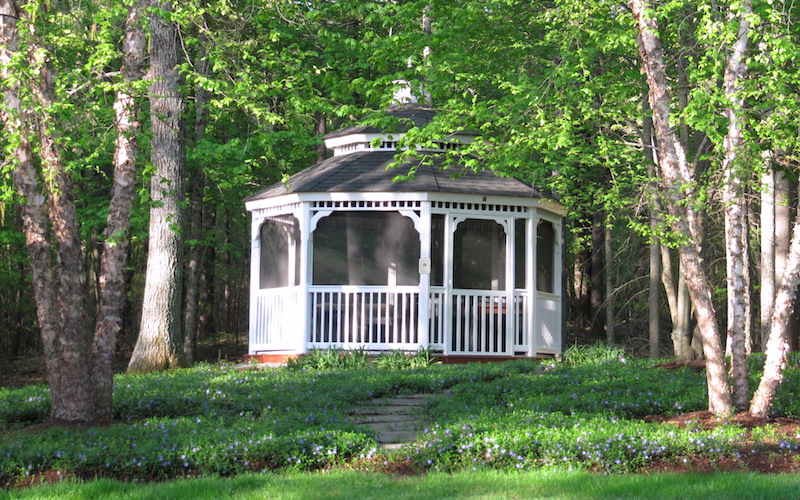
(366, 171)
(409, 115)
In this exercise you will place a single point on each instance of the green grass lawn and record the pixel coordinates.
(517, 429)
(471, 485)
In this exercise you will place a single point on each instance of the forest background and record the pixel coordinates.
(134, 129)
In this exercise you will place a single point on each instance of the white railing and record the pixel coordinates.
(368, 317)
(437, 322)
(522, 319)
(548, 313)
(381, 318)
(481, 323)
(275, 320)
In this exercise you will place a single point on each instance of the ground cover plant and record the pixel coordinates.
(618, 415)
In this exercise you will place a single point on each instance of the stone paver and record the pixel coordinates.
(395, 420)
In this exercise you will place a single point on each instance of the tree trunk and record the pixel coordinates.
(205, 317)
(160, 335)
(114, 259)
(609, 283)
(60, 286)
(579, 288)
(80, 371)
(733, 201)
(778, 328)
(596, 284)
(750, 222)
(653, 310)
(679, 307)
(320, 129)
(677, 179)
(767, 268)
(196, 252)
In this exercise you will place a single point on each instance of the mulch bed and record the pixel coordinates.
(768, 457)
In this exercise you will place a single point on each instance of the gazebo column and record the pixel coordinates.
(450, 224)
(304, 302)
(558, 263)
(423, 324)
(531, 306)
(255, 278)
(510, 329)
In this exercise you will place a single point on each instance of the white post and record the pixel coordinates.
(306, 261)
(255, 279)
(510, 228)
(450, 225)
(558, 272)
(423, 312)
(531, 304)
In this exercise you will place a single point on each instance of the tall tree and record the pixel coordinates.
(160, 336)
(767, 263)
(734, 202)
(48, 217)
(678, 181)
(777, 346)
(49, 214)
(112, 281)
(654, 275)
(196, 251)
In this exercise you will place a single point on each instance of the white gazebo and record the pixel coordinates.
(466, 263)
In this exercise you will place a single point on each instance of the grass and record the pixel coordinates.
(529, 424)
(461, 485)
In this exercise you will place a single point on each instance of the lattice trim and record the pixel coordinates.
(368, 204)
(484, 207)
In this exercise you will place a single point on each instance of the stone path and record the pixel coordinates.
(396, 420)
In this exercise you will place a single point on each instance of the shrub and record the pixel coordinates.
(594, 354)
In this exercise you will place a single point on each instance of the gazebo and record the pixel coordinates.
(462, 262)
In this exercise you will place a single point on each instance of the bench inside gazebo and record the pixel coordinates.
(465, 263)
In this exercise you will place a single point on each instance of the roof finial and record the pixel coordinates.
(404, 94)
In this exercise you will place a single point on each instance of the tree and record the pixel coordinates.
(159, 345)
(678, 181)
(49, 214)
(112, 282)
(735, 206)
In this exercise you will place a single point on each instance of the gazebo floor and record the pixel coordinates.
(282, 359)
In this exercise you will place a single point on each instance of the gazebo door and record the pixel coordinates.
(482, 286)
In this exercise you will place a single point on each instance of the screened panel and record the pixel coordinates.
(520, 252)
(280, 252)
(366, 248)
(437, 249)
(545, 257)
(479, 255)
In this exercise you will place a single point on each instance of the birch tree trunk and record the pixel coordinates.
(677, 181)
(734, 203)
(80, 369)
(114, 258)
(767, 278)
(49, 216)
(778, 332)
(159, 344)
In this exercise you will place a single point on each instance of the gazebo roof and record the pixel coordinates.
(358, 166)
(409, 115)
(366, 171)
